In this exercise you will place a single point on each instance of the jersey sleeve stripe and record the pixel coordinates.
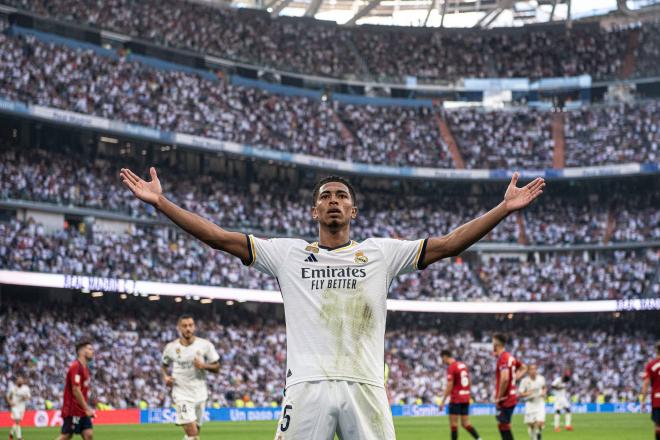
(252, 255)
(419, 265)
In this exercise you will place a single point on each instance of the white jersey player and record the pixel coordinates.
(562, 401)
(334, 295)
(533, 390)
(189, 357)
(17, 397)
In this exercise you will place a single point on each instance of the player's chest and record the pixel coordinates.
(349, 270)
(184, 357)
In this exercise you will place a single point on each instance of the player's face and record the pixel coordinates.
(88, 352)
(20, 381)
(187, 328)
(496, 346)
(532, 371)
(334, 206)
(445, 360)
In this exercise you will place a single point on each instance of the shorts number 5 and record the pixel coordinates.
(286, 418)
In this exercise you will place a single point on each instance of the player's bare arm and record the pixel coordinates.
(447, 393)
(463, 237)
(204, 230)
(77, 393)
(169, 380)
(213, 367)
(504, 381)
(645, 391)
(520, 372)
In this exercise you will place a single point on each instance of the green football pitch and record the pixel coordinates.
(587, 427)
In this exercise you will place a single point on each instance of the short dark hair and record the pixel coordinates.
(445, 353)
(185, 316)
(501, 338)
(81, 344)
(328, 179)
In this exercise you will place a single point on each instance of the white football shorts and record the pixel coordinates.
(535, 414)
(17, 412)
(562, 403)
(318, 410)
(189, 412)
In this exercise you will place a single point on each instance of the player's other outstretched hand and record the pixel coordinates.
(517, 198)
(145, 191)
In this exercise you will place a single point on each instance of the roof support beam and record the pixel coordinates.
(482, 19)
(363, 12)
(444, 11)
(497, 13)
(313, 8)
(280, 7)
(432, 5)
(552, 13)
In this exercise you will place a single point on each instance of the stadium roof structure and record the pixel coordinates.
(445, 13)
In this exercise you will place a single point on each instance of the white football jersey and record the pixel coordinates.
(559, 388)
(19, 396)
(335, 303)
(189, 382)
(536, 387)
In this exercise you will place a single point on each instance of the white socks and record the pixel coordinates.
(531, 430)
(187, 437)
(557, 420)
(568, 419)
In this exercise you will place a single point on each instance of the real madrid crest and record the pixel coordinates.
(360, 258)
(312, 248)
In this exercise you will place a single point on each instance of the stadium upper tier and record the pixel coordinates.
(116, 88)
(370, 53)
(129, 339)
(164, 254)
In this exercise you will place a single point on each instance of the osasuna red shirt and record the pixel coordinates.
(78, 374)
(653, 374)
(460, 393)
(507, 362)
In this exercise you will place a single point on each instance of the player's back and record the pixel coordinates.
(653, 374)
(460, 375)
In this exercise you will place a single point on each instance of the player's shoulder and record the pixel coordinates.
(203, 342)
(172, 345)
(282, 241)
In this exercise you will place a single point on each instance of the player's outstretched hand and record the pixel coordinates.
(199, 364)
(90, 412)
(169, 381)
(145, 191)
(517, 198)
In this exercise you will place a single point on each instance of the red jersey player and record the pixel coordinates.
(508, 370)
(458, 389)
(652, 377)
(76, 413)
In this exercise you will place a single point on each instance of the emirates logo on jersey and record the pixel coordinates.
(360, 258)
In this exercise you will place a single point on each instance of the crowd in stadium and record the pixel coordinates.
(502, 139)
(37, 342)
(323, 48)
(115, 88)
(615, 133)
(164, 254)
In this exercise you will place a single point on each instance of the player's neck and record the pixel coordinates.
(186, 342)
(331, 238)
(82, 360)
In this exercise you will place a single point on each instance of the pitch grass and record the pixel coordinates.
(587, 427)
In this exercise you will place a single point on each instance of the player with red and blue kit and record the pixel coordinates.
(458, 391)
(76, 412)
(652, 379)
(508, 370)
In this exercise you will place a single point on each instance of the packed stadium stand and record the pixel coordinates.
(595, 234)
(315, 47)
(129, 337)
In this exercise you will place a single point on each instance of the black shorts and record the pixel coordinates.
(655, 415)
(504, 414)
(459, 409)
(76, 425)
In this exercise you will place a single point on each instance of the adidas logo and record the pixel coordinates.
(311, 259)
